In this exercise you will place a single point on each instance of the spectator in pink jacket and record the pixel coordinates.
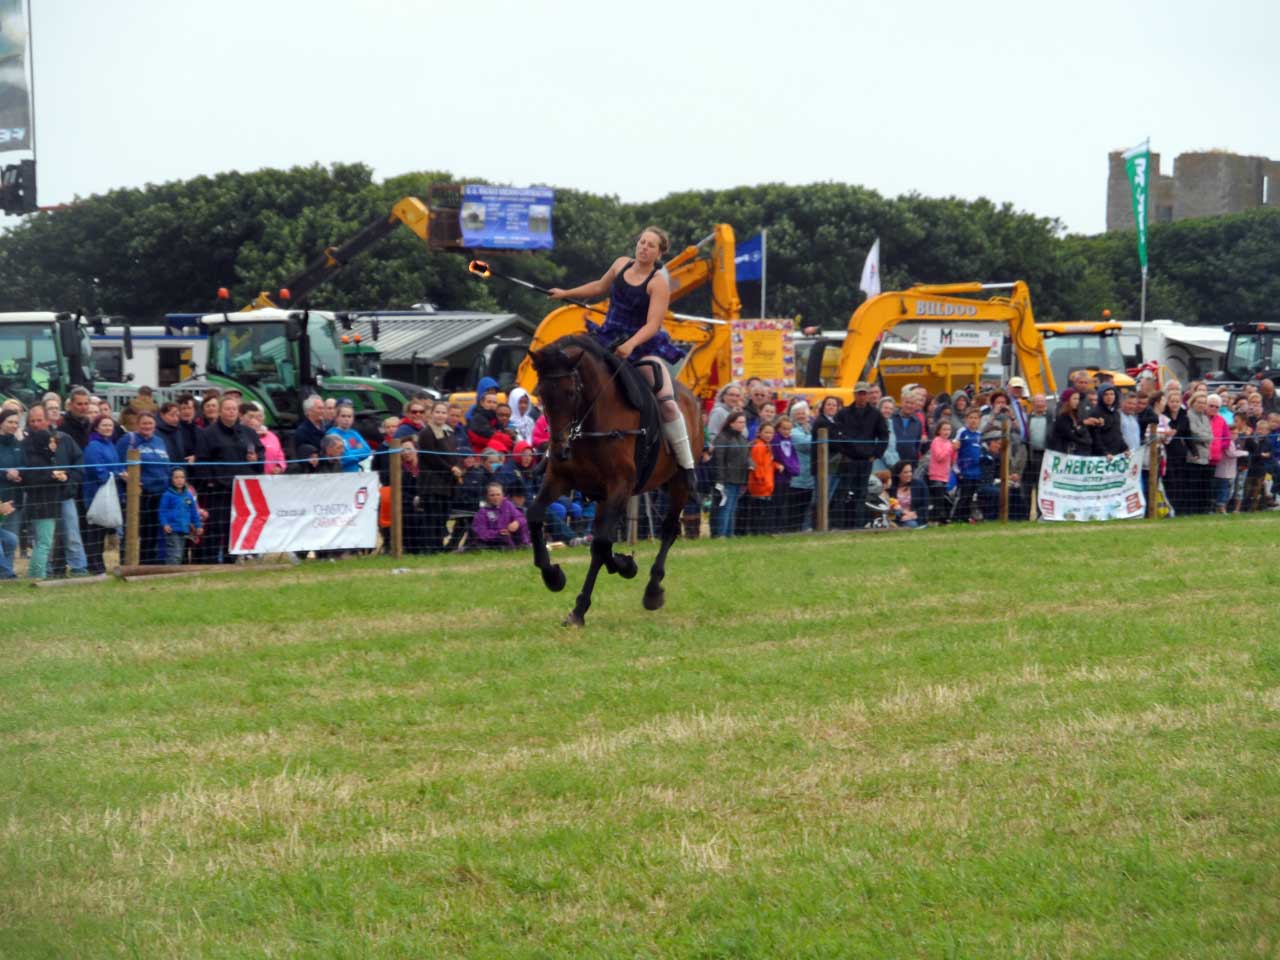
(273, 457)
(1223, 454)
(499, 524)
(942, 464)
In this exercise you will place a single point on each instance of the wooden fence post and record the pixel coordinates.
(133, 509)
(1004, 471)
(1153, 472)
(397, 504)
(821, 516)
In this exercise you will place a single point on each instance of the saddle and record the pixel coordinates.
(642, 397)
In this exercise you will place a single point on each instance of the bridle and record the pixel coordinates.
(575, 430)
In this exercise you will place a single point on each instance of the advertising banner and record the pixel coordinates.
(764, 349)
(1136, 163)
(506, 218)
(15, 88)
(1092, 488)
(324, 511)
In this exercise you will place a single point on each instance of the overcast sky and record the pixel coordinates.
(1015, 101)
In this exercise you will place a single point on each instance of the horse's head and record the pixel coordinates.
(559, 387)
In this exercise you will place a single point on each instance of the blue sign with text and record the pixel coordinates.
(506, 218)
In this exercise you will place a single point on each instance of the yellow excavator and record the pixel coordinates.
(864, 353)
(706, 367)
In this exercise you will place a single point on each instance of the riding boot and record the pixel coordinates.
(677, 435)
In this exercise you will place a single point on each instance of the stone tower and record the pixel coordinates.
(1205, 184)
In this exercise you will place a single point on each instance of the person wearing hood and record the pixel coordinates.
(523, 414)
(1108, 437)
(486, 386)
(483, 423)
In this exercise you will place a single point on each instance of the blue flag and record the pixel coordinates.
(749, 259)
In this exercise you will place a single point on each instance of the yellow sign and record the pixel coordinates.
(764, 349)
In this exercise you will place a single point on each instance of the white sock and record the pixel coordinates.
(678, 436)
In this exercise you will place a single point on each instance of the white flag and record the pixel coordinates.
(870, 282)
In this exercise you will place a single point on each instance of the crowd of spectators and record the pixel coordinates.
(468, 475)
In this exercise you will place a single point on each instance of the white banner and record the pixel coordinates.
(322, 511)
(1092, 488)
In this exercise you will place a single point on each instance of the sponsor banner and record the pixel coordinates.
(325, 511)
(1137, 163)
(1092, 488)
(931, 339)
(15, 87)
(764, 349)
(506, 218)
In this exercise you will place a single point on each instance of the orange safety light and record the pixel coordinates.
(1106, 314)
(224, 293)
(285, 294)
(346, 339)
(357, 338)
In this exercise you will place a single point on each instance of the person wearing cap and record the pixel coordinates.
(989, 483)
(864, 436)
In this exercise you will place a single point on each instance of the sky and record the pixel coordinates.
(1018, 102)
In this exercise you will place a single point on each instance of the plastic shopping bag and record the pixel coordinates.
(105, 511)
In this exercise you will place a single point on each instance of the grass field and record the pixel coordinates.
(983, 742)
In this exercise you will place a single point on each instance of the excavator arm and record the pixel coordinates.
(943, 303)
(411, 212)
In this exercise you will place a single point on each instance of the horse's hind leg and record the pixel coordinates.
(677, 497)
(552, 575)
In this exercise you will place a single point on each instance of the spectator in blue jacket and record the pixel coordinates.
(155, 480)
(101, 466)
(179, 517)
(969, 464)
(355, 448)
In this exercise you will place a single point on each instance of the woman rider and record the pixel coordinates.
(638, 293)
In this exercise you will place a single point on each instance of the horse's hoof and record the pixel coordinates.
(626, 564)
(573, 620)
(554, 578)
(654, 598)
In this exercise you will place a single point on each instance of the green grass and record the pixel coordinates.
(986, 742)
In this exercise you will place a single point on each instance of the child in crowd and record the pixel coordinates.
(179, 517)
(969, 463)
(761, 482)
(787, 509)
(942, 464)
(1258, 446)
(1226, 469)
(273, 456)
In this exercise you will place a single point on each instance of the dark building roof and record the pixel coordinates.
(434, 336)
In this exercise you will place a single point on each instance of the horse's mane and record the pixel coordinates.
(553, 358)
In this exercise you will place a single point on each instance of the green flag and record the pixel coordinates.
(1136, 164)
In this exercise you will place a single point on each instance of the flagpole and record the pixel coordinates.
(764, 267)
(1142, 315)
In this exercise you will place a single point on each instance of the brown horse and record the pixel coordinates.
(595, 437)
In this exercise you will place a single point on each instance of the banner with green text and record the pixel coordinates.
(1137, 162)
(1092, 488)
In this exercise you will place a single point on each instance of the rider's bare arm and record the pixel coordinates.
(593, 290)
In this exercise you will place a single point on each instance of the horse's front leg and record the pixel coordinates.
(607, 512)
(552, 575)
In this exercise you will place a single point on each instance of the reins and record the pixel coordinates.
(575, 431)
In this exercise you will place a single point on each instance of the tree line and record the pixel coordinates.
(143, 252)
